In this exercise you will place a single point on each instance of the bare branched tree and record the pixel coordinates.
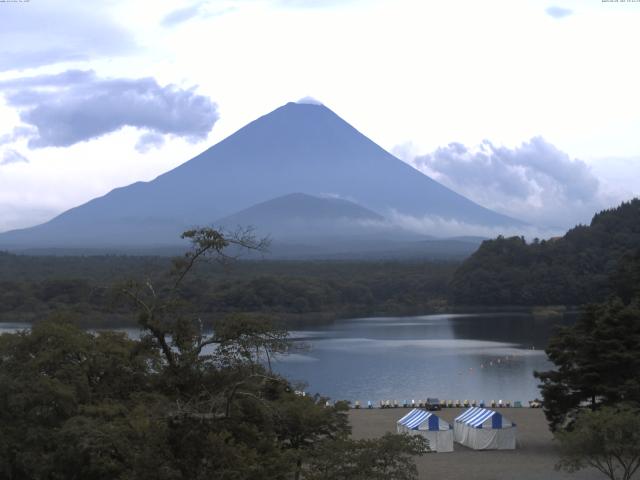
(181, 338)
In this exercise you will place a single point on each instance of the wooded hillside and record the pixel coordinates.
(572, 270)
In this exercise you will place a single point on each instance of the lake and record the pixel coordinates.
(482, 357)
(475, 357)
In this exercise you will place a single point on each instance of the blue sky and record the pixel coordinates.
(528, 107)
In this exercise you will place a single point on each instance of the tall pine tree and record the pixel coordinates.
(598, 358)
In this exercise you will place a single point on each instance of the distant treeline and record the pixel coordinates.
(572, 270)
(33, 288)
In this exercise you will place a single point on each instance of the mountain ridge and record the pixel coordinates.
(296, 148)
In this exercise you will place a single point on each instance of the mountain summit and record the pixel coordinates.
(299, 147)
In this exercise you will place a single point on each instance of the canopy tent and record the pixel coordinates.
(483, 429)
(433, 428)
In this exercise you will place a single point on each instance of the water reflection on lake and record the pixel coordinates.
(482, 357)
(476, 357)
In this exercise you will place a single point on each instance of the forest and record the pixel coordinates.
(99, 405)
(82, 405)
(571, 270)
(581, 267)
(33, 288)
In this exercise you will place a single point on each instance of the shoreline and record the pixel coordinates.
(295, 321)
(534, 458)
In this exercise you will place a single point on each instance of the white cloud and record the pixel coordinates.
(398, 70)
(57, 179)
(558, 12)
(432, 225)
(34, 34)
(182, 14)
(12, 156)
(619, 177)
(76, 106)
(149, 140)
(310, 100)
(534, 182)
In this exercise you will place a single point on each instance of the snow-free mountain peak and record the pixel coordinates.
(299, 147)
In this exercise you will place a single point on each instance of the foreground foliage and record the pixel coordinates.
(607, 439)
(597, 362)
(177, 404)
(387, 458)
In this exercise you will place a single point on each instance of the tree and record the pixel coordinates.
(626, 280)
(179, 403)
(607, 439)
(66, 397)
(161, 307)
(249, 339)
(304, 422)
(389, 457)
(597, 362)
(572, 270)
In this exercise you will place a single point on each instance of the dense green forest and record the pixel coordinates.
(572, 270)
(597, 358)
(33, 288)
(591, 395)
(82, 405)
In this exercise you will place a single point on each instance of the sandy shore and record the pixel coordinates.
(534, 459)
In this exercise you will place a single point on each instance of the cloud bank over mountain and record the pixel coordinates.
(76, 106)
(447, 227)
(534, 181)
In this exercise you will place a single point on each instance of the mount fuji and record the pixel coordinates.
(286, 158)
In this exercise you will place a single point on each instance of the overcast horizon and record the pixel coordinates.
(528, 108)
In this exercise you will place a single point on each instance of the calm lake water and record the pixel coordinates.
(476, 357)
(482, 357)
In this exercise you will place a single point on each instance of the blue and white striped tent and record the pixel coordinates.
(484, 429)
(421, 422)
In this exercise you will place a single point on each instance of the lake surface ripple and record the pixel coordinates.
(475, 357)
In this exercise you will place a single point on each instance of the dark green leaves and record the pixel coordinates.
(597, 362)
(607, 439)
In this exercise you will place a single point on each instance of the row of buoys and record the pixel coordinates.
(435, 404)
(498, 361)
(448, 404)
